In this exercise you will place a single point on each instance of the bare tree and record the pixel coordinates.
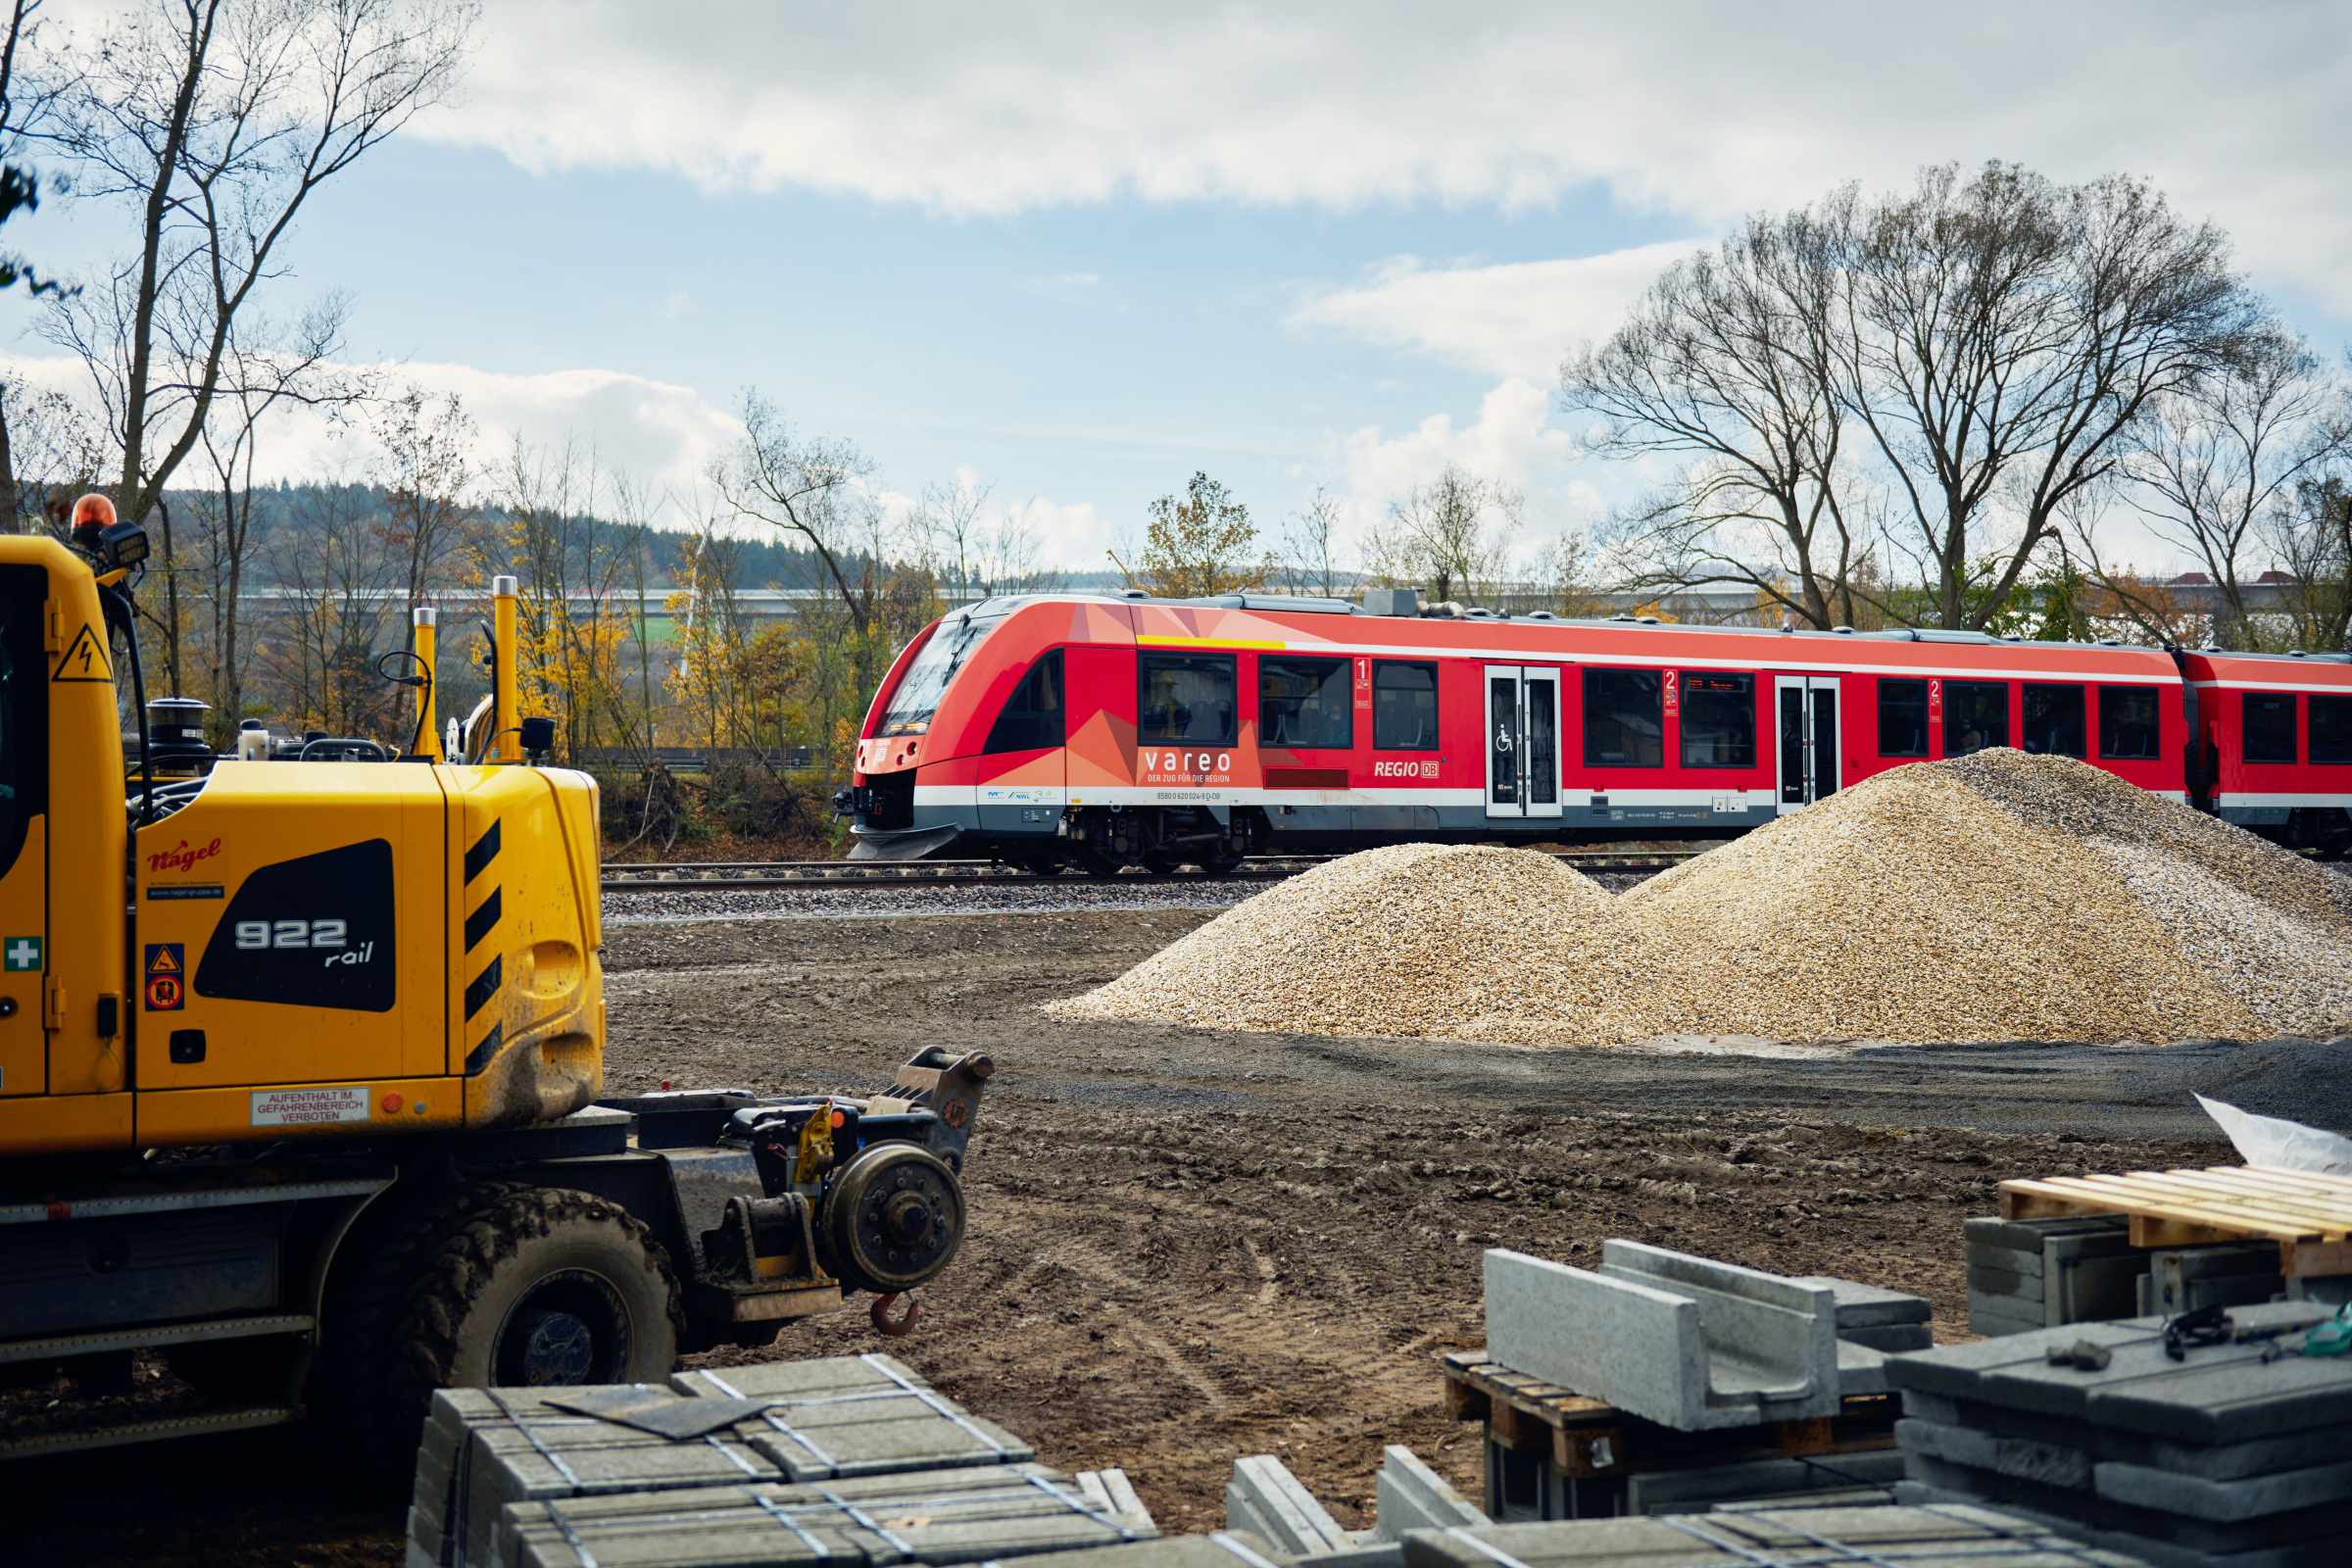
(2212, 462)
(216, 121)
(1311, 546)
(425, 469)
(809, 488)
(322, 656)
(1453, 533)
(264, 370)
(2312, 533)
(1725, 369)
(1998, 339)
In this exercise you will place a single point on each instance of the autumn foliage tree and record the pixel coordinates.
(1199, 545)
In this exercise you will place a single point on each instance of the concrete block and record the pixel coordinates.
(2139, 1550)
(1679, 1340)
(1893, 1339)
(2045, 1464)
(2017, 1260)
(1111, 1492)
(2245, 1499)
(2002, 1314)
(1860, 1369)
(1691, 1490)
(1226, 1549)
(1410, 1496)
(1266, 1500)
(2005, 1282)
(2092, 1511)
(1862, 1305)
(1363, 1554)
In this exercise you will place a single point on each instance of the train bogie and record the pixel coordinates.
(1105, 731)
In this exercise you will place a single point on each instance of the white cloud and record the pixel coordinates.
(1710, 111)
(1514, 320)
(663, 435)
(1511, 441)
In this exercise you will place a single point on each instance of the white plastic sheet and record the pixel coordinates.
(2270, 1141)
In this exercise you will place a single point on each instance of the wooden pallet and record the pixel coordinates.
(2308, 1214)
(1588, 1438)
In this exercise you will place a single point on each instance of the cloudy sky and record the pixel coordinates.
(1075, 251)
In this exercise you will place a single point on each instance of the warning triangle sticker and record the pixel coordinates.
(163, 963)
(85, 660)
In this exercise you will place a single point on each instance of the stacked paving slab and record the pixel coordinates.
(2219, 1460)
(2038, 1273)
(1777, 1537)
(852, 1460)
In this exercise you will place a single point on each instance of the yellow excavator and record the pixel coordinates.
(301, 1052)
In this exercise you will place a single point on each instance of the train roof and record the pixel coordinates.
(1301, 604)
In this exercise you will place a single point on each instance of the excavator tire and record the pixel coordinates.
(355, 1384)
(540, 1287)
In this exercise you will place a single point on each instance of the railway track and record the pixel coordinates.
(753, 876)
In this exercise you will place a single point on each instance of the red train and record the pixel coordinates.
(1111, 730)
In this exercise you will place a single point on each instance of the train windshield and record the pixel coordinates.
(926, 679)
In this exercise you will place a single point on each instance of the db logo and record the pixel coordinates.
(164, 994)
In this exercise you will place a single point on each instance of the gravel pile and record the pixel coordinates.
(1999, 897)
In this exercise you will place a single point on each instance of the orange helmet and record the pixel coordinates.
(93, 511)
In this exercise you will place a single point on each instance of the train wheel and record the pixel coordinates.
(1097, 864)
(1162, 862)
(1044, 865)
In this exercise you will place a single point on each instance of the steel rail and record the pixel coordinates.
(756, 876)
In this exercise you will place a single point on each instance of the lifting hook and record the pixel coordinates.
(879, 1316)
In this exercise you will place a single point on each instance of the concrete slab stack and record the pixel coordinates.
(2038, 1273)
(990, 1513)
(793, 1422)
(2219, 1460)
(1775, 1538)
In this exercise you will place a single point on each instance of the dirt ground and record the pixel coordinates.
(1189, 1246)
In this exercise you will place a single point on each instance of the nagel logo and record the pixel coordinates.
(183, 857)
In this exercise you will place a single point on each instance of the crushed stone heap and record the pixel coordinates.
(1997, 897)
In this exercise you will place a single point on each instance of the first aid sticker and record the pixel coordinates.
(307, 1108)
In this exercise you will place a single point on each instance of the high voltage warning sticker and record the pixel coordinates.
(85, 659)
(166, 977)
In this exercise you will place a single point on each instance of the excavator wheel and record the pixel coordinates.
(505, 1286)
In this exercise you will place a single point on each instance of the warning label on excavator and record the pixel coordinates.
(85, 659)
(303, 1107)
(166, 977)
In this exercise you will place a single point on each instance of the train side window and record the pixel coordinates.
(1903, 717)
(24, 706)
(2269, 733)
(1033, 716)
(1625, 724)
(1404, 706)
(1306, 703)
(2054, 720)
(1718, 719)
(1975, 715)
(2127, 724)
(2331, 729)
(1186, 697)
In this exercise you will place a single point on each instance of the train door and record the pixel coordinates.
(1809, 762)
(1523, 741)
